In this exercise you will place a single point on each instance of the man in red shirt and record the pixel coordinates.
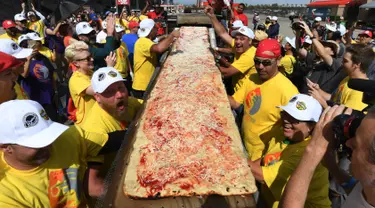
(159, 17)
(238, 14)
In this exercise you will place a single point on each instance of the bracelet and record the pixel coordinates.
(349, 184)
(312, 38)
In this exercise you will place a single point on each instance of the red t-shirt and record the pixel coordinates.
(242, 17)
(158, 18)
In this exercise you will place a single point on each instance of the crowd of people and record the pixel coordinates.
(284, 94)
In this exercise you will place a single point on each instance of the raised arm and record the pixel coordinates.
(144, 10)
(37, 13)
(165, 43)
(219, 28)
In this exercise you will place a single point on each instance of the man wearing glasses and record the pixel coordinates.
(259, 95)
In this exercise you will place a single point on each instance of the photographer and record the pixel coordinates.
(323, 66)
(321, 145)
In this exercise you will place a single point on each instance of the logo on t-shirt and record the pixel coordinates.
(271, 159)
(64, 188)
(41, 72)
(254, 100)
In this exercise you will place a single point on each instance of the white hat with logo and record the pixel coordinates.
(244, 30)
(19, 17)
(104, 77)
(291, 41)
(10, 47)
(318, 19)
(237, 23)
(145, 27)
(83, 28)
(308, 40)
(119, 28)
(274, 18)
(331, 27)
(27, 124)
(34, 36)
(303, 108)
(31, 13)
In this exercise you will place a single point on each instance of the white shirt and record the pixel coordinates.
(356, 199)
(101, 36)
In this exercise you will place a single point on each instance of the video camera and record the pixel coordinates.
(345, 126)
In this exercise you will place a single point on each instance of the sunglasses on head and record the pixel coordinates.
(88, 58)
(263, 62)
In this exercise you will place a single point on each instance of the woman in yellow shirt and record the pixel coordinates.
(287, 62)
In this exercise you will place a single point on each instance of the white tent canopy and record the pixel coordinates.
(370, 5)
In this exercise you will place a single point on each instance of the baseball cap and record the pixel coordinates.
(19, 17)
(83, 28)
(260, 35)
(237, 23)
(119, 28)
(133, 24)
(333, 45)
(244, 31)
(268, 17)
(104, 25)
(7, 61)
(331, 27)
(308, 39)
(104, 77)
(291, 41)
(342, 29)
(303, 108)
(10, 47)
(30, 13)
(318, 19)
(28, 125)
(8, 24)
(22, 38)
(270, 45)
(34, 36)
(94, 17)
(274, 18)
(367, 32)
(145, 27)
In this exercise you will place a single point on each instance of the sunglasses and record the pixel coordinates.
(263, 62)
(88, 58)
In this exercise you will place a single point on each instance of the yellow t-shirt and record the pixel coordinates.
(245, 64)
(47, 53)
(142, 17)
(133, 18)
(280, 160)
(144, 63)
(78, 83)
(37, 26)
(21, 94)
(286, 63)
(6, 36)
(59, 181)
(260, 111)
(267, 25)
(122, 61)
(348, 97)
(125, 24)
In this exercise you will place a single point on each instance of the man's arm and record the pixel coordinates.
(256, 169)
(219, 28)
(144, 10)
(165, 43)
(228, 71)
(233, 104)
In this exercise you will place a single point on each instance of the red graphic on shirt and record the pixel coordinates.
(63, 188)
(271, 159)
(254, 100)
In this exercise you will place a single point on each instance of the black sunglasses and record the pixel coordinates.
(88, 58)
(263, 62)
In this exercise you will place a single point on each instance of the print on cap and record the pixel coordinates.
(14, 46)
(44, 115)
(101, 76)
(30, 120)
(112, 74)
(84, 26)
(301, 105)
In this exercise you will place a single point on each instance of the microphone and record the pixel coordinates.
(362, 85)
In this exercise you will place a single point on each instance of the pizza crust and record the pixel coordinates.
(187, 142)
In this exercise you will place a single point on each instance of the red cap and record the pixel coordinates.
(7, 61)
(8, 24)
(133, 24)
(367, 32)
(270, 45)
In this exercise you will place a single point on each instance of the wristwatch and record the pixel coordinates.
(312, 38)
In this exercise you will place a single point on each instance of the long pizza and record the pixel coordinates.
(187, 142)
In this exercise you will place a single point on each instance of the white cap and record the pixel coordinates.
(31, 13)
(244, 30)
(119, 28)
(331, 27)
(145, 27)
(308, 40)
(27, 124)
(237, 23)
(318, 19)
(83, 28)
(104, 77)
(342, 30)
(104, 25)
(22, 38)
(303, 108)
(10, 47)
(291, 41)
(19, 17)
(34, 36)
(269, 17)
(274, 18)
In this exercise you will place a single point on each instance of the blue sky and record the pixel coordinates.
(255, 1)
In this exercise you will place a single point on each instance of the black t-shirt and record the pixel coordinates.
(328, 77)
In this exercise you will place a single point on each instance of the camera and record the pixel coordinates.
(344, 126)
(297, 26)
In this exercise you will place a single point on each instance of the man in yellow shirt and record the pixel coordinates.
(356, 61)
(287, 62)
(259, 95)
(243, 64)
(299, 118)
(11, 31)
(145, 55)
(35, 24)
(43, 163)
